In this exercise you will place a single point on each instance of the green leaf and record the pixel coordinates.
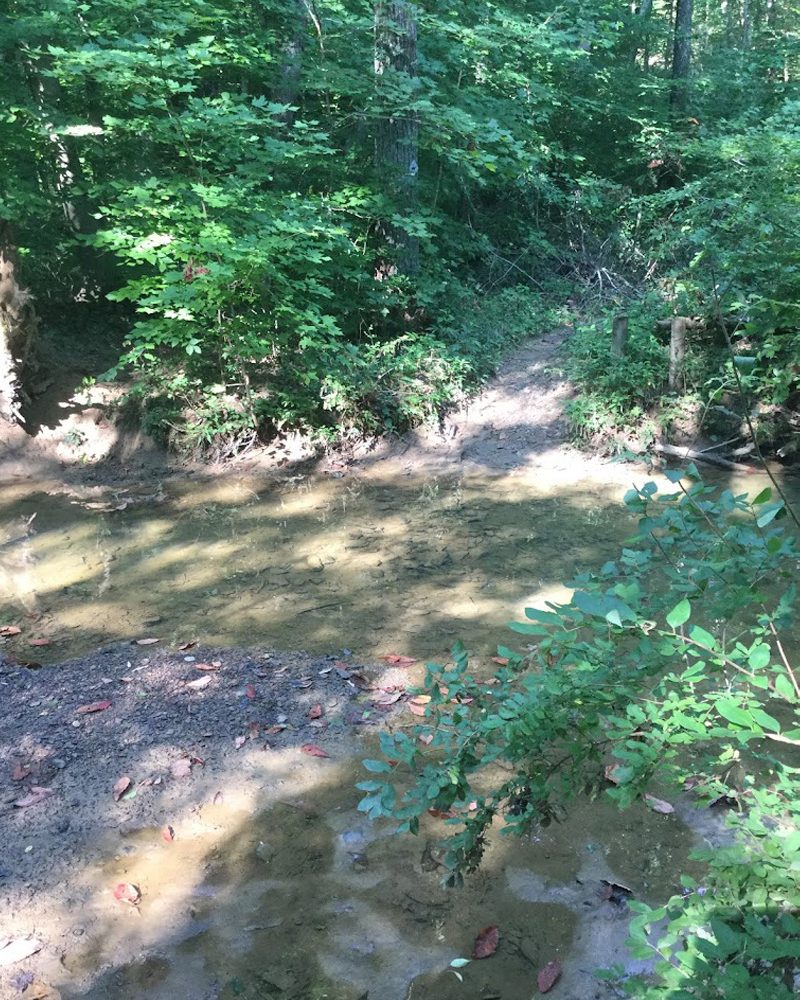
(459, 963)
(769, 513)
(734, 713)
(763, 496)
(704, 638)
(679, 614)
(377, 766)
(785, 689)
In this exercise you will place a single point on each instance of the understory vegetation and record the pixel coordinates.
(335, 216)
(665, 679)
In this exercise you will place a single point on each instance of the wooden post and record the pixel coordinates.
(677, 352)
(619, 339)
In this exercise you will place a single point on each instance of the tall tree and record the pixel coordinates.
(681, 54)
(397, 127)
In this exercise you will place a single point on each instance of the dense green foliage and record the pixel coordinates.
(228, 173)
(665, 672)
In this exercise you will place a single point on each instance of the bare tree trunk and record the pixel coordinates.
(18, 323)
(291, 66)
(642, 33)
(397, 129)
(619, 337)
(677, 352)
(681, 55)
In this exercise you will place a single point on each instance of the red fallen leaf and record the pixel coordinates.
(8, 630)
(250, 691)
(548, 976)
(36, 795)
(146, 642)
(315, 712)
(95, 706)
(442, 813)
(313, 750)
(187, 645)
(181, 768)
(194, 759)
(38, 642)
(658, 805)
(472, 807)
(208, 666)
(502, 660)
(417, 705)
(397, 661)
(19, 772)
(274, 730)
(167, 834)
(120, 787)
(127, 892)
(486, 942)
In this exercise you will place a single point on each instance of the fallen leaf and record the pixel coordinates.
(127, 892)
(315, 712)
(208, 666)
(442, 813)
(194, 759)
(615, 892)
(398, 661)
(359, 680)
(19, 949)
(239, 742)
(612, 773)
(95, 706)
(418, 705)
(250, 691)
(36, 795)
(167, 834)
(216, 664)
(146, 642)
(199, 684)
(38, 642)
(389, 698)
(426, 738)
(187, 645)
(274, 730)
(486, 942)
(8, 630)
(181, 768)
(502, 660)
(120, 787)
(19, 773)
(658, 805)
(313, 750)
(548, 976)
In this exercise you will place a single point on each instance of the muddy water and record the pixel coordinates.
(306, 900)
(401, 566)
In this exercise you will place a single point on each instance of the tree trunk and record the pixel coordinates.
(397, 129)
(291, 66)
(681, 55)
(18, 323)
(677, 352)
(619, 338)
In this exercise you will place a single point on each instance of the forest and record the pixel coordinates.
(477, 257)
(336, 217)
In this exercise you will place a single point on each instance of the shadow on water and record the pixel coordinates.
(404, 566)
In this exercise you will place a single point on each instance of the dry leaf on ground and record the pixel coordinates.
(9, 630)
(398, 661)
(127, 892)
(39, 642)
(313, 750)
(95, 706)
(208, 666)
(315, 712)
(167, 834)
(19, 772)
(199, 684)
(548, 976)
(146, 642)
(486, 942)
(121, 785)
(36, 795)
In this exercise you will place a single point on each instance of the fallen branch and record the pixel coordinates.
(700, 456)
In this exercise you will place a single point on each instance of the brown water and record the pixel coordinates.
(287, 891)
(404, 566)
(307, 900)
